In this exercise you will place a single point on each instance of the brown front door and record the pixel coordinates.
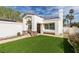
(38, 28)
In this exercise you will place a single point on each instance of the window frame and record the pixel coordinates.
(49, 26)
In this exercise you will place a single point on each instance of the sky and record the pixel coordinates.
(48, 11)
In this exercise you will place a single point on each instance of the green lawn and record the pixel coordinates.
(37, 44)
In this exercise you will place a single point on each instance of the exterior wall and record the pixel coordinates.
(42, 28)
(60, 22)
(8, 29)
(24, 25)
(35, 21)
(34, 24)
(49, 31)
(38, 19)
(58, 26)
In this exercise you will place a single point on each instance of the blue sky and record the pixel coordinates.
(47, 11)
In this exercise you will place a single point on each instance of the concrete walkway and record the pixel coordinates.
(25, 36)
(14, 39)
(61, 36)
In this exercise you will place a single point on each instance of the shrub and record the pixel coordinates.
(75, 41)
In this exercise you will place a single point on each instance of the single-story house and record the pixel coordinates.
(38, 24)
(33, 23)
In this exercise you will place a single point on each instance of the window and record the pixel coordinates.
(50, 26)
(46, 26)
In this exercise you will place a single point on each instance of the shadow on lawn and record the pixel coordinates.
(67, 47)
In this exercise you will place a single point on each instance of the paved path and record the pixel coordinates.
(52, 35)
(25, 36)
(14, 39)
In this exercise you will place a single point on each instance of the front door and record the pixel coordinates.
(38, 28)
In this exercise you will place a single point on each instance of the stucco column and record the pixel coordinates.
(60, 30)
(41, 29)
(56, 28)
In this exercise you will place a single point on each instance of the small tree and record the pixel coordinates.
(70, 16)
(67, 17)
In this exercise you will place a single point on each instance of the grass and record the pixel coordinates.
(37, 44)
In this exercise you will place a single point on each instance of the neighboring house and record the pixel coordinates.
(40, 25)
(33, 23)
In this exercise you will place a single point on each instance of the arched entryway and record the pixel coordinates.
(29, 23)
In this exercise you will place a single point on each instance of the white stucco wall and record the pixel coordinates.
(56, 28)
(25, 26)
(35, 21)
(38, 19)
(60, 22)
(49, 31)
(8, 29)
